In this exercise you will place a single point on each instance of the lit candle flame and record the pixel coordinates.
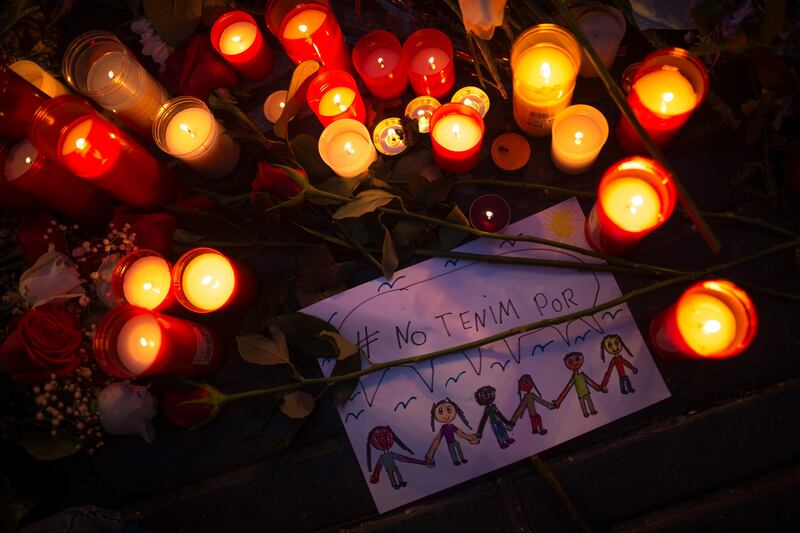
(236, 38)
(282, 104)
(431, 61)
(145, 343)
(111, 74)
(666, 98)
(578, 137)
(28, 160)
(337, 99)
(80, 143)
(209, 281)
(457, 131)
(380, 62)
(636, 203)
(303, 28)
(149, 287)
(186, 128)
(545, 71)
(489, 215)
(348, 147)
(392, 135)
(711, 326)
(468, 102)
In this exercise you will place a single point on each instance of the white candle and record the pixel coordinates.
(346, 147)
(187, 130)
(429, 61)
(604, 26)
(274, 104)
(579, 133)
(139, 343)
(457, 133)
(19, 160)
(237, 38)
(304, 24)
(380, 62)
(39, 78)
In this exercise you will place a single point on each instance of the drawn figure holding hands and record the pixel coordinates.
(383, 438)
(581, 382)
(528, 403)
(485, 397)
(613, 345)
(445, 411)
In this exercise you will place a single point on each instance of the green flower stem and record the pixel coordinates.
(637, 293)
(619, 98)
(357, 245)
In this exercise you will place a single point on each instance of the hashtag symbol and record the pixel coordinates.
(365, 342)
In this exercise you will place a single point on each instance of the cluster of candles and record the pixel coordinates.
(139, 338)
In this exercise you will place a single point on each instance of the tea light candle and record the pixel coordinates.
(346, 147)
(19, 100)
(579, 133)
(308, 31)
(204, 280)
(667, 87)
(635, 196)
(236, 38)
(421, 108)
(142, 278)
(474, 98)
(456, 136)
(429, 56)
(376, 57)
(130, 342)
(333, 95)
(511, 151)
(186, 129)
(274, 104)
(70, 131)
(29, 171)
(39, 78)
(544, 60)
(389, 137)
(712, 319)
(99, 66)
(604, 26)
(490, 213)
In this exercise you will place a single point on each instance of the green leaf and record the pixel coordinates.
(389, 259)
(335, 185)
(296, 96)
(298, 405)
(260, 419)
(451, 237)
(42, 446)
(429, 187)
(303, 335)
(412, 163)
(306, 152)
(707, 13)
(260, 350)
(366, 202)
(174, 20)
(343, 390)
(345, 347)
(774, 17)
(281, 442)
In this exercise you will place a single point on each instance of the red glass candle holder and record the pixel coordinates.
(651, 184)
(308, 29)
(71, 132)
(184, 348)
(252, 62)
(710, 308)
(156, 285)
(490, 213)
(194, 282)
(12, 198)
(19, 100)
(428, 56)
(678, 68)
(29, 171)
(333, 95)
(453, 147)
(377, 57)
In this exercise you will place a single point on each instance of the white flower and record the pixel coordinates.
(481, 17)
(141, 25)
(152, 45)
(127, 409)
(51, 279)
(102, 280)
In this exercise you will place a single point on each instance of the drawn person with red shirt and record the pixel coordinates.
(527, 402)
(613, 345)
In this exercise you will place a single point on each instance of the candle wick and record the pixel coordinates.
(636, 202)
(711, 326)
(80, 143)
(578, 137)
(380, 62)
(348, 147)
(503, 149)
(457, 131)
(236, 38)
(489, 215)
(431, 61)
(666, 98)
(28, 160)
(303, 29)
(111, 74)
(186, 128)
(337, 99)
(545, 71)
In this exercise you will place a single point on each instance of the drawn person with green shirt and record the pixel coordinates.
(581, 382)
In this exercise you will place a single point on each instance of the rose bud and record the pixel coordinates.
(275, 181)
(187, 415)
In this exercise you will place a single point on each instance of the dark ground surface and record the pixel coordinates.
(720, 455)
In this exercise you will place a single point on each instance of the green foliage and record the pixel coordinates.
(366, 202)
(304, 335)
(260, 418)
(296, 96)
(389, 259)
(174, 20)
(306, 153)
(42, 446)
(452, 237)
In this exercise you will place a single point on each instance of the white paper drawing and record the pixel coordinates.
(423, 427)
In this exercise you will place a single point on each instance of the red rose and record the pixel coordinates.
(275, 181)
(45, 342)
(153, 231)
(187, 415)
(31, 237)
(196, 70)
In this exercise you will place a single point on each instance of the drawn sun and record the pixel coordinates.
(562, 225)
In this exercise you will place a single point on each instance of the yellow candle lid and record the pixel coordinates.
(511, 151)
